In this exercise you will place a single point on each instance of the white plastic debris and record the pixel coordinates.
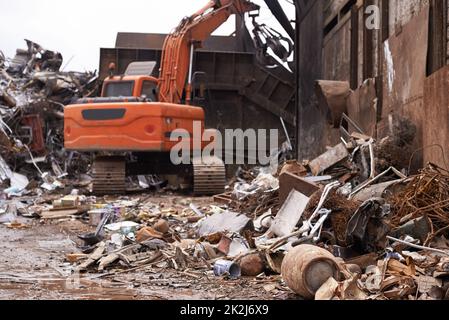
(143, 183)
(265, 182)
(5, 171)
(50, 183)
(19, 181)
(9, 215)
(114, 227)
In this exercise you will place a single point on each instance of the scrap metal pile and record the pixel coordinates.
(33, 92)
(349, 224)
(345, 230)
(316, 228)
(331, 228)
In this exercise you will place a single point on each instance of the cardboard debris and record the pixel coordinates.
(62, 213)
(289, 181)
(148, 233)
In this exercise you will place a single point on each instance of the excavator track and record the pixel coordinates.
(109, 175)
(209, 176)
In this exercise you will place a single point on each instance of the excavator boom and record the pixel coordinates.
(179, 46)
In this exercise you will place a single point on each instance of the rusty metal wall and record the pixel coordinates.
(402, 11)
(123, 57)
(270, 89)
(363, 107)
(133, 40)
(436, 121)
(350, 52)
(404, 65)
(337, 52)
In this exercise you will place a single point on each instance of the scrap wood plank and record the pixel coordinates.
(58, 214)
(65, 213)
(80, 208)
(329, 159)
(62, 208)
(95, 256)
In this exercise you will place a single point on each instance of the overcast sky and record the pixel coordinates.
(78, 29)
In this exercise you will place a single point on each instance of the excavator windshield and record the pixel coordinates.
(118, 89)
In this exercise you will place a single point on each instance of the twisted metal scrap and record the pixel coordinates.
(342, 210)
(257, 204)
(426, 194)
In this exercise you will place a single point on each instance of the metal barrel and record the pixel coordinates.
(306, 268)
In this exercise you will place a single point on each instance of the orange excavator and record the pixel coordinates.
(130, 125)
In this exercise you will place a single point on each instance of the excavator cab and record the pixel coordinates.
(144, 87)
(136, 82)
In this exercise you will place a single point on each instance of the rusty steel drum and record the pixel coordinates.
(306, 268)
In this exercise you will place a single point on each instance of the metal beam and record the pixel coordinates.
(280, 15)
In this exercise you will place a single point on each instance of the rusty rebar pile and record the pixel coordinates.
(426, 193)
(257, 204)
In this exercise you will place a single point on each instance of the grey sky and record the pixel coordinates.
(80, 28)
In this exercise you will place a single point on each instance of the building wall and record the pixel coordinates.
(404, 72)
(350, 52)
(436, 122)
(402, 11)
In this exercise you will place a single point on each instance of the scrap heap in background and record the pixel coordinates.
(33, 92)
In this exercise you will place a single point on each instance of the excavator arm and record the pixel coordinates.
(179, 46)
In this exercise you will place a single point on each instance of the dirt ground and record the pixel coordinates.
(33, 266)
